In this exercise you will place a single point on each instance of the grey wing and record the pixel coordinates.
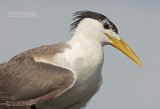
(26, 82)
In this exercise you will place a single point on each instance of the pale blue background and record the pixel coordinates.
(125, 85)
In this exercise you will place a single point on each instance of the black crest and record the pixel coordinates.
(80, 15)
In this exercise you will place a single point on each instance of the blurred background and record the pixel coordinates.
(25, 24)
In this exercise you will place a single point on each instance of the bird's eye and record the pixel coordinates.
(106, 26)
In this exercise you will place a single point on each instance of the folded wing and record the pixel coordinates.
(25, 82)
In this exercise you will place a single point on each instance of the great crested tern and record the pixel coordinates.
(64, 75)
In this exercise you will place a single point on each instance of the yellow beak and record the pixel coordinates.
(123, 47)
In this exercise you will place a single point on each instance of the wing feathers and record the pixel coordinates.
(24, 81)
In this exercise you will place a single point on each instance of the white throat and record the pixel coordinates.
(86, 55)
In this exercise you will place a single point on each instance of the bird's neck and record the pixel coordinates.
(85, 40)
(86, 52)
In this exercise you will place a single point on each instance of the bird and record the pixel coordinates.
(65, 75)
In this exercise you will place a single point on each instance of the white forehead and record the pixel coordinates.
(112, 34)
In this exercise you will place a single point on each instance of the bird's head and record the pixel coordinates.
(99, 28)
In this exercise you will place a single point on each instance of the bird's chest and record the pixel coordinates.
(87, 67)
(88, 70)
(88, 82)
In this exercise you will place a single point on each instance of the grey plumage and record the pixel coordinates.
(38, 84)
